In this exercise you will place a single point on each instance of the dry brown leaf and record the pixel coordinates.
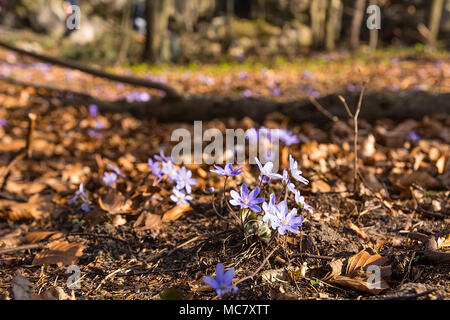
(34, 237)
(444, 241)
(34, 208)
(355, 275)
(320, 186)
(115, 202)
(12, 239)
(61, 253)
(176, 212)
(440, 164)
(148, 221)
(21, 290)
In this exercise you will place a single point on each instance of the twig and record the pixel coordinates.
(355, 130)
(314, 256)
(322, 110)
(259, 268)
(409, 297)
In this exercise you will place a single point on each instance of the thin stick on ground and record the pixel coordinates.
(355, 131)
(259, 268)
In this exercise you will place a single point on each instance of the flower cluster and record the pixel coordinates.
(162, 166)
(278, 216)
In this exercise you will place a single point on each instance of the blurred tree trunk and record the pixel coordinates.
(126, 33)
(318, 12)
(355, 31)
(334, 23)
(157, 16)
(229, 25)
(259, 9)
(373, 42)
(435, 20)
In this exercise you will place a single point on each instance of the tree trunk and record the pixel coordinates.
(356, 24)
(435, 20)
(157, 23)
(373, 42)
(333, 24)
(318, 13)
(229, 25)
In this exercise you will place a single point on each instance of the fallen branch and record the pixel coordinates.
(169, 90)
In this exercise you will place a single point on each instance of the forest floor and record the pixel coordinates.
(135, 243)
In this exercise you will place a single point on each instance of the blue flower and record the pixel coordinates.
(223, 281)
(3, 122)
(246, 200)
(281, 218)
(185, 180)
(80, 193)
(179, 197)
(116, 170)
(288, 137)
(169, 170)
(227, 170)
(299, 199)
(296, 174)
(266, 171)
(162, 157)
(413, 136)
(110, 178)
(93, 110)
(155, 168)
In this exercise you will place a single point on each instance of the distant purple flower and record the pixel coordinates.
(155, 168)
(281, 218)
(306, 75)
(276, 92)
(288, 137)
(162, 157)
(223, 281)
(80, 193)
(99, 125)
(266, 170)
(243, 75)
(296, 174)
(179, 197)
(144, 97)
(94, 134)
(227, 171)
(116, 170)
(93, 110)
(413, 136)
(245, 199)
(110, 178)
(3, 122)
(211, 189)
(247, 93)
(184, 180)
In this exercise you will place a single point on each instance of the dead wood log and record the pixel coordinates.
(397, 106)
(169, 90)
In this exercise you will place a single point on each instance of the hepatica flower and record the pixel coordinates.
(3, 122)
(116, 170)
(169, 170)
(245, 199)
(110, 178)
(227, 171)
(179, 197)
(296, 174)
(184, 180)
(413, 136)
(266, 171)
(155, 168)
(223, 281)
(80, 193)
(281, 218)
(93, 110)
(299, 199)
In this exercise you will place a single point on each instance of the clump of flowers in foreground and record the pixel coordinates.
(163, 166)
